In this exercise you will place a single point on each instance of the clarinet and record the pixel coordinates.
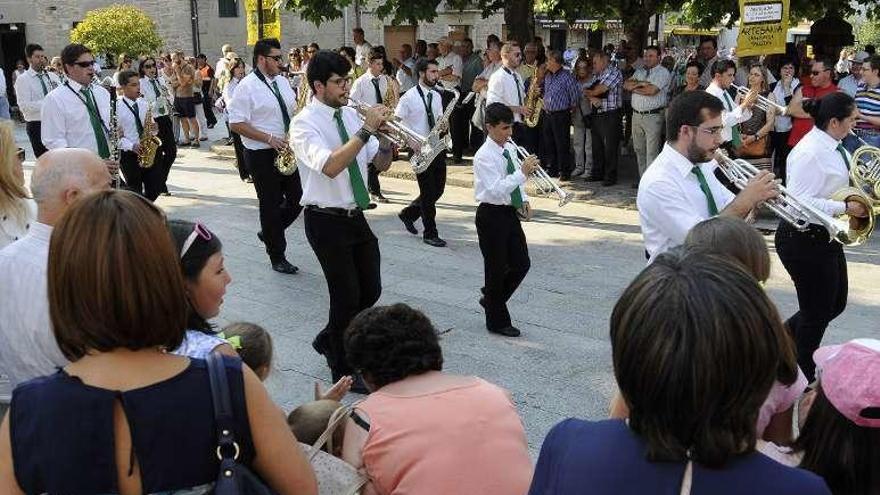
(113, 142)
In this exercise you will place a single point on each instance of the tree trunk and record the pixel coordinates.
(519, 16)
(636, 30)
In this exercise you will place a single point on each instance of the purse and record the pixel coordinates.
(234, 478)
(759, 148)
(335, 476)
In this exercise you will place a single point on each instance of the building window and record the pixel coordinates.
(228, 8)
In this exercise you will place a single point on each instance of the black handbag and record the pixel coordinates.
(234, 478)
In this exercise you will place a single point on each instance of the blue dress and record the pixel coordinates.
(62, 433)
(606, 457)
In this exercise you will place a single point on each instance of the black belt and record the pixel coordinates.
(338, 212)
(557, 111)
(606, 112)
(649, 112)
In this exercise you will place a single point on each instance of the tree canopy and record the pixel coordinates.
(117, 29)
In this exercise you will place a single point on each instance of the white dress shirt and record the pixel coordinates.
(229, 90)
(849, 85)
(732, 114)
(453, 60)
(314, 136)
(670, 201)
(362, 88)
(255, 103)
(815, 170)
(15, 226)
(414, 111)
(29, 349)
(503, 88)
(659, 77)
(403, 79)
(125, 117)
(66, 122)
(220, 66)
(30, 95)
(161, 102)
(492, 183)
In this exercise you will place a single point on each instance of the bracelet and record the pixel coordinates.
(269, 139)
(363, 134)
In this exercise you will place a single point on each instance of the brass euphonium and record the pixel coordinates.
(150, 143)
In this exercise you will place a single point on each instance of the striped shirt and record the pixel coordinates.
(561, 91)
(611, 78)
(868, 102)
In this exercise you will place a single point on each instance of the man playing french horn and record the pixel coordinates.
(260, 111)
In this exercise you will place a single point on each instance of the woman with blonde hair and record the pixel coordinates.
(17, 210)
(756, 131)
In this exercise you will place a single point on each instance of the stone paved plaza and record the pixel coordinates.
(583, 256)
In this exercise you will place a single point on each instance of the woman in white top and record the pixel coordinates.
(782, 90)
(238, 71)
(17, 210)
(818, 166)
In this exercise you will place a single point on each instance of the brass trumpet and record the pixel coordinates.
(543, 182)
(764, 103)
(398, 133)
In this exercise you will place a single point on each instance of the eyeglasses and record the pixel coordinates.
(85, 65)
(19, 153)
(712, 131)
(340, 81)
(817, 72)
(199, 230)
(276, 58)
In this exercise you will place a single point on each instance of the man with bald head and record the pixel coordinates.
(60, 178)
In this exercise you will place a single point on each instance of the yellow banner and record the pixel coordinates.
(271, 21)
(763, 25)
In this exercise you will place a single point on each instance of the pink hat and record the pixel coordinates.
(850, 377)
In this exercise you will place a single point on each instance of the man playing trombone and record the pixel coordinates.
(680, 189)
(420, 108)
(498, 187)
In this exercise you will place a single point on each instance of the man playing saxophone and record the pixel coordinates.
(374, 87)
(131, 111)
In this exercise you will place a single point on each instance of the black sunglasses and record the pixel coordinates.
(85, 65)
(20, 154)
(276, 58)
(149, 66)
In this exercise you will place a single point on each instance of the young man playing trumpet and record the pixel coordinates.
(498, 187)
(419, 108)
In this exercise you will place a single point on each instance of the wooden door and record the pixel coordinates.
(396, 36)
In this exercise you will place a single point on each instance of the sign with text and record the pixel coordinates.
(271, 20)
(763, 25)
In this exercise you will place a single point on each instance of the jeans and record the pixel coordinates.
(4, 108)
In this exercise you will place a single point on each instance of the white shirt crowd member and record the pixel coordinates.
(314, 137)
(413, 108)
(492, 183)
(405, 81)
(255, 103)
(815, 169)
(505, 86)
(659, 77)
(362, 54)
(14, 226)
(363, 89)
(158, 93)
(31, 89)
(66, 122)
(29, 349)
(125, 117)
(732, 114)
(670, 200)
(454, 61)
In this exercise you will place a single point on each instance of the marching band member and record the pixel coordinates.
(333, 146)
(817, 167)
(157, 92)
(371, 87)
(679, 189)
(77, 113)
(505, 86)
(498, 187)
(131, 113)
(419, 109)
(260, 112)
(31, 88)
(723, 73)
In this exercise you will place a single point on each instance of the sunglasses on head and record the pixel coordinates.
(85, 65)
(199, 230)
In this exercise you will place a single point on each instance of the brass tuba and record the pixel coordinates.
(533, 101)
(149, 141)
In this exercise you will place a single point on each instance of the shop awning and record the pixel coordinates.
(689, 31)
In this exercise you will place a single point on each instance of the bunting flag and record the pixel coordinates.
(763, 25)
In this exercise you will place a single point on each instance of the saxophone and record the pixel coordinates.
(533, 101)
(392, 94)
(285, 161)
(149, 142)
(433, 145)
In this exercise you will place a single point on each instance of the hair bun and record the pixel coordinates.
(811, 106)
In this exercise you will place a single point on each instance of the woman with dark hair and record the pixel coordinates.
(782, 91)
(696, 345)
(818, 166)
(422, 430)
(125, 416)
(237, 71)
(692, 72)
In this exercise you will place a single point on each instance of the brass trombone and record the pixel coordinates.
(764, 103)
(543, 182)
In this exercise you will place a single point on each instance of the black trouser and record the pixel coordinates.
(605, 133)
(349, 256)
(818, 269)
(34, 135)
(432, 182)
(505, 259)
(519, 134)
(240, 162)
(781, 149)
(457, 143)
(208, 105)
(167, 152)
(556, 127)
(143, 181)
(279, 197)
(373, 180)
(461, 129)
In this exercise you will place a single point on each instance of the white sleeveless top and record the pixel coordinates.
(198, 344)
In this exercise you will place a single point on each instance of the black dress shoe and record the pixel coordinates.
(435, 241)
(408, 224)
(284, 266)
(594, 179)
(609, 182)
(507, 331)
(260, 237)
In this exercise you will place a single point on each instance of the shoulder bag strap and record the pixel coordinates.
(227, 450)
(688, 479)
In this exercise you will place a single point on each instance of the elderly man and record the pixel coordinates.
(648, 86)
(29, 350)
(850, 83)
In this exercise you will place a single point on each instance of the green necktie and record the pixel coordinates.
(430, 110)
(92, 107)
(713, 208)
(43, 84)
(284, 113)
(843, 153)
(736, 138)
(515, 196)
(361, 197)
